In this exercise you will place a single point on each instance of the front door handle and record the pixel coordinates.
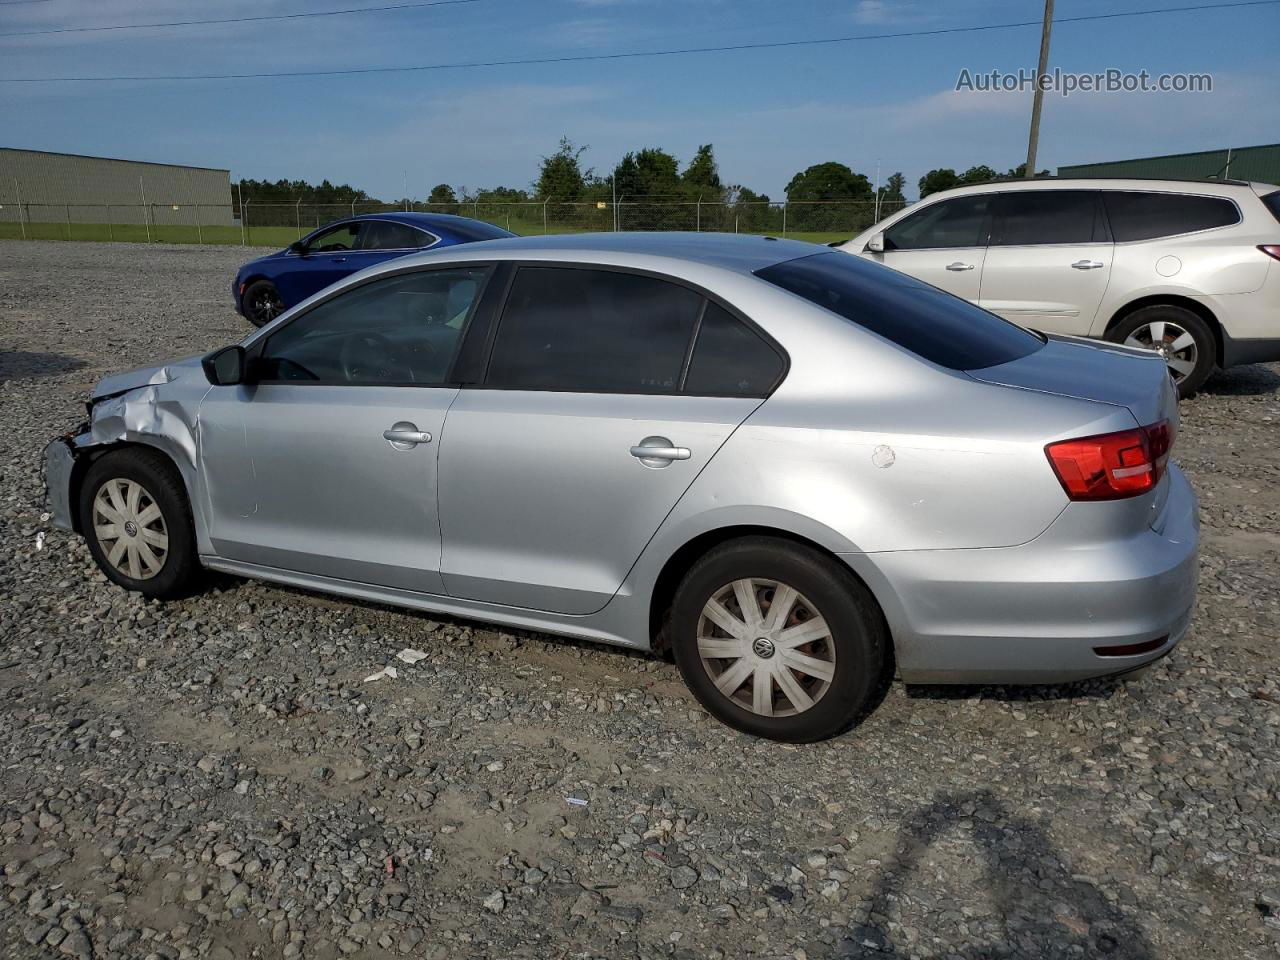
(1087, 265)
(339, 260)
(405, 435)
(658, 452)
(958, 266)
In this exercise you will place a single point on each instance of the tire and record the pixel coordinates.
(261, 302)
(848, 660)
(1162, 326)
(166, 535)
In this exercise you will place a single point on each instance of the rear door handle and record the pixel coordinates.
(405, 435)
(660, 453)
(1087, 265)
(958, 266)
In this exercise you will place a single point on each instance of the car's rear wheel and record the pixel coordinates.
(262, 302)
(778, 640)
(1181, 337)
(136, 519)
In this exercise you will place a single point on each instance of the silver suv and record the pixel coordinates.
(1186, 269)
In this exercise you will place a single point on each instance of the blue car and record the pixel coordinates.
(266, 287)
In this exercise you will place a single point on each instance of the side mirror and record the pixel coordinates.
(225, 367)
(876, 243)
(297, 247)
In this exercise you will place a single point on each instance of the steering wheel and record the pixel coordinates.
(365, 355)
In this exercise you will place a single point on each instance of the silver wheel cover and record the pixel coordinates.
(766, 647)
(130, 528)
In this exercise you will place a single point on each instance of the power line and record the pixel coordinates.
(637, 54)
(197, 23)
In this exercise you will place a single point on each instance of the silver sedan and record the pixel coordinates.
(798, 472)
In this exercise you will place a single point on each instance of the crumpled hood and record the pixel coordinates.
(118, 383)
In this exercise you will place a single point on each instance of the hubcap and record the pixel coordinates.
(1176, 346)
(130, 528)
(766, 647)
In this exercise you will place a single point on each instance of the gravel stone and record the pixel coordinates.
(260, 800)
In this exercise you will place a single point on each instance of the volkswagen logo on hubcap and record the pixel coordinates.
(131, 528)
(762, 647)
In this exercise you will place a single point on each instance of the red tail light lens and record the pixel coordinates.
(1114, 465)
(1271, 249)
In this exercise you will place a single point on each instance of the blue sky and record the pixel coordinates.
(769, 113)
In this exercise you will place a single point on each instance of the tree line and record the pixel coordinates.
(656, 191)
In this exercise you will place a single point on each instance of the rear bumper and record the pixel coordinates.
(1236, 352)
(1037, 613)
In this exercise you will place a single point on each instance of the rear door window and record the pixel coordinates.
(385, 235)
(730, 359)
(958, 222)
(1040, 217)
(927, 321)
(1139, 215)
(593, 331)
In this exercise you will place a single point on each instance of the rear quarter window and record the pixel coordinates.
(928, 322)
(1272, 202)
(1136, 215)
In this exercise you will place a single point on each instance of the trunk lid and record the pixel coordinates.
(1093, 370)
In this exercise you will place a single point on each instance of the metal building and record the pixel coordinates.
(46, 188)
(1260, 163)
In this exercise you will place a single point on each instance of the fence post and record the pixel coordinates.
(66, 210)
(784, 218)
(297, 210)
(240, 194)
(244, 220)
(353, 208)
(199, 230)
(145, 218)
(698, 223)
(544, 216)
(22, 224)
(735, 223)
(111, 233)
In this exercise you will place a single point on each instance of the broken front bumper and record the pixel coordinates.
(59, 462)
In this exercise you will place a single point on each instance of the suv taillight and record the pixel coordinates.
(1112, 466)
(1271, 249)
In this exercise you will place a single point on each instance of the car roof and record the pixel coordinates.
(740, 253)
(1217, 188)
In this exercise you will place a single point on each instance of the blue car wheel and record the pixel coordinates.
(262, 302)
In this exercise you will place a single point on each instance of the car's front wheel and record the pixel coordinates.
(1182, 339)
(136, 519)
(779, 640)
(262, 302)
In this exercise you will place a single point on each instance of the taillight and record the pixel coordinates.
(1271, 249)
(1112, 466)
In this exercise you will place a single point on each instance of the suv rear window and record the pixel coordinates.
(1272, 202)
(927, 321)
(1136, 215)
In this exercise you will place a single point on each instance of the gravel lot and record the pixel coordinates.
(211, 778)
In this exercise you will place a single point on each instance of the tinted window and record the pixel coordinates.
(731, 359)
(930, 323)
(401, 330)
(337, 238)
(593, 331)
(1272, 201)
(1048, 216)
(385, 235)
(961, 222)
(1145, 216)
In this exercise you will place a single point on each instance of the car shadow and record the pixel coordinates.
(1036, 904)
(1101, 688)
(22, 365)
(1253, 380)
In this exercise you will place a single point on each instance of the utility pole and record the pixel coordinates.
(1033, 141)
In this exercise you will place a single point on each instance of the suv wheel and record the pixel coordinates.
(136, 519)
(778, 640)
(1181, 337)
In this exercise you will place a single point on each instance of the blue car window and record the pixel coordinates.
(386, 235)
(343, 237)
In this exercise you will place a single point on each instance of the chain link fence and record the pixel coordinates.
(277, 224)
